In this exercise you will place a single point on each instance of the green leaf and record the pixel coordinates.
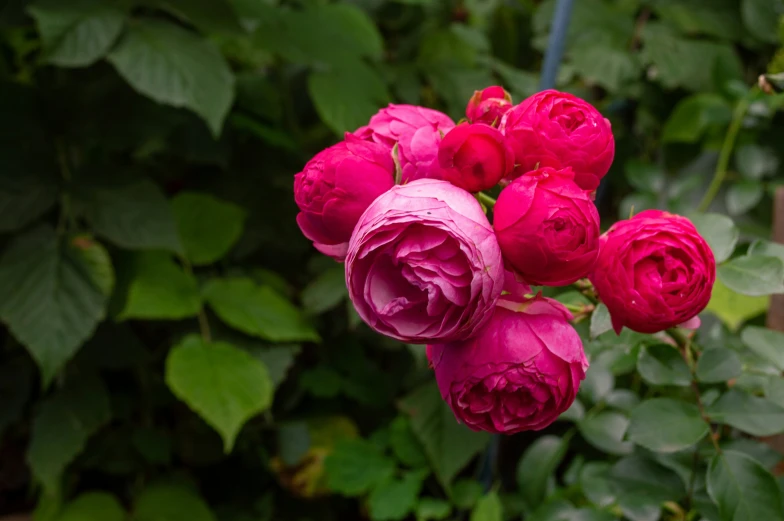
(666, 425)
(152, 286)
(62, 427)
(132, 213)
(718, 365)
(622, 399)
(766, 343)
(278, 360)
(719, 232)
(432, 508)
(605, 431)
(465, 492)
(600, 321)
(732, 307)
(753, 275)
(326, 291)
(175, 67)
(77, 33)
(537, 465)
(223, 384)
(393, 499)
(93, 506)
(169, 502)
(712, 17)
(321, 381)
(636, 476)
(662, 364)
(743, 196)
(761, 18)
(755, 161)
(346, 97)
(356, 467)
(748, 413)
(207, 226)
(604, 65)
(53, 294)
(488, 508)
(257, 310)
(743, 489)
(448, 445)
(595, 483)
(599, 381)
(208, 15)
(766, 248)
(692, 116)
(405, 445)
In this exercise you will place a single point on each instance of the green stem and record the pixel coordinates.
(204, 324)
(726, 153)
(485, 199)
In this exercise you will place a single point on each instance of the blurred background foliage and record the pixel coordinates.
(175, 350)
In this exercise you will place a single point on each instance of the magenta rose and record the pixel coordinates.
(417, 132)
(547, 227)
(519, 372)
(335, 187)
(654, 271)
(488, 105)
(423, 264)
(475, 157)
(559, 130)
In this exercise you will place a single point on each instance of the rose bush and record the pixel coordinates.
(654, 271)
(335, 187)
(474, 157)
(416, 131)
(488, 105)
(547, 227)
(519, 372)
(559, 130)
(423, 264)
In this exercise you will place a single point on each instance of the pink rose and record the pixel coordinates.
(335, 187)
(416, 130)
(654, 272)
(423, 263)
(519, 372)
(547, 227)
(475, 157)
(488, 105)
(559, 130)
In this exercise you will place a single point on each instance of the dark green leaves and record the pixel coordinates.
(54, 294)
(761, 18)
(743, 489)
(207, 226)
(753, 275)
(224, 384)
(537, 465)
(718, 365)
(448, 445)
(666, 425)
(662, 364)
(62, 426)
(174, 66)
(488, 508)
(748, 413)
(93, 506)
(356, 467)
(171, 502)
(605, 431)
(394, 498)
(77, 33)
(694, 115)
(257, 310)
(766, 343)
(719, 231)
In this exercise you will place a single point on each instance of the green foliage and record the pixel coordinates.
(175, 350)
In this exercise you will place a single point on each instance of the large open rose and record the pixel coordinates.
(654, 271)
(518, 373)
(423, 264)
(556, 129)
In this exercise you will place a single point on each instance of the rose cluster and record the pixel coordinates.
(401, 202)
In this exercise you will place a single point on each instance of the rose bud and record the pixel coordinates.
(559, 130)
(336, 186)
(519, 372)
(547, 227)
(654, 271)
(488, 105)
(423, 263)
(474, 157)
(417, 132)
